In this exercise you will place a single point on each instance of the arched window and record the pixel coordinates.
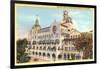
(53, 48)
(48, 55)
(44, 48)
(34, 42)
(60, 56)
(39, 53)
(36, 53)
(44, 54)
(54, 56)
(33, 52)
(48, 48)
(37, 47)
(58, 48)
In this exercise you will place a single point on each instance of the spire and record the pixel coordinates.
(37, 21)
(36, 24)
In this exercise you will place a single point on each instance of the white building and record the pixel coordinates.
(55, 42)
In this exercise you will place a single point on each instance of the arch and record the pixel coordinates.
(34, 42)
(33, 47)
(33, 52)
(54, 48)
(65, 56)
(48, 55)
(36, 53)
(53, 56)
(44, 48)
(59, 56)
(44, 54)
(40, 48)
(37, 47)
(39, 53)
(48, 48)
(58, 48)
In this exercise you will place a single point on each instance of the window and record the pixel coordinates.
(33, 47)
(60, 56)
(34, 42)
(58, 48)
(48, 55)
(54, 56)
(39, 53)
(44, 48)
(36, 47)
(36, 53)
(33, 52)
(43, 54)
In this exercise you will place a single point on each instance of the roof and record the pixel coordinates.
(46, 29)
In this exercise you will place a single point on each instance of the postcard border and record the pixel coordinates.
(12, 30)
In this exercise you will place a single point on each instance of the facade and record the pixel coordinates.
(55, 42)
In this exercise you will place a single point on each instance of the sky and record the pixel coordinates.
(25, 16)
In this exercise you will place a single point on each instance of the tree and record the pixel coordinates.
(85, 43)
(21, 55)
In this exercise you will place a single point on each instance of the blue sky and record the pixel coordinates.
(26, 15)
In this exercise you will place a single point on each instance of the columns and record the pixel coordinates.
(81, 54)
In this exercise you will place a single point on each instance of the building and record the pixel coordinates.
(55, 42)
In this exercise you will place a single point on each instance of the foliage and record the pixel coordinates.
(21, 55)
(85, 43)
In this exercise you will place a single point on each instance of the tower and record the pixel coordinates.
(66, 17)
(36, 27)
